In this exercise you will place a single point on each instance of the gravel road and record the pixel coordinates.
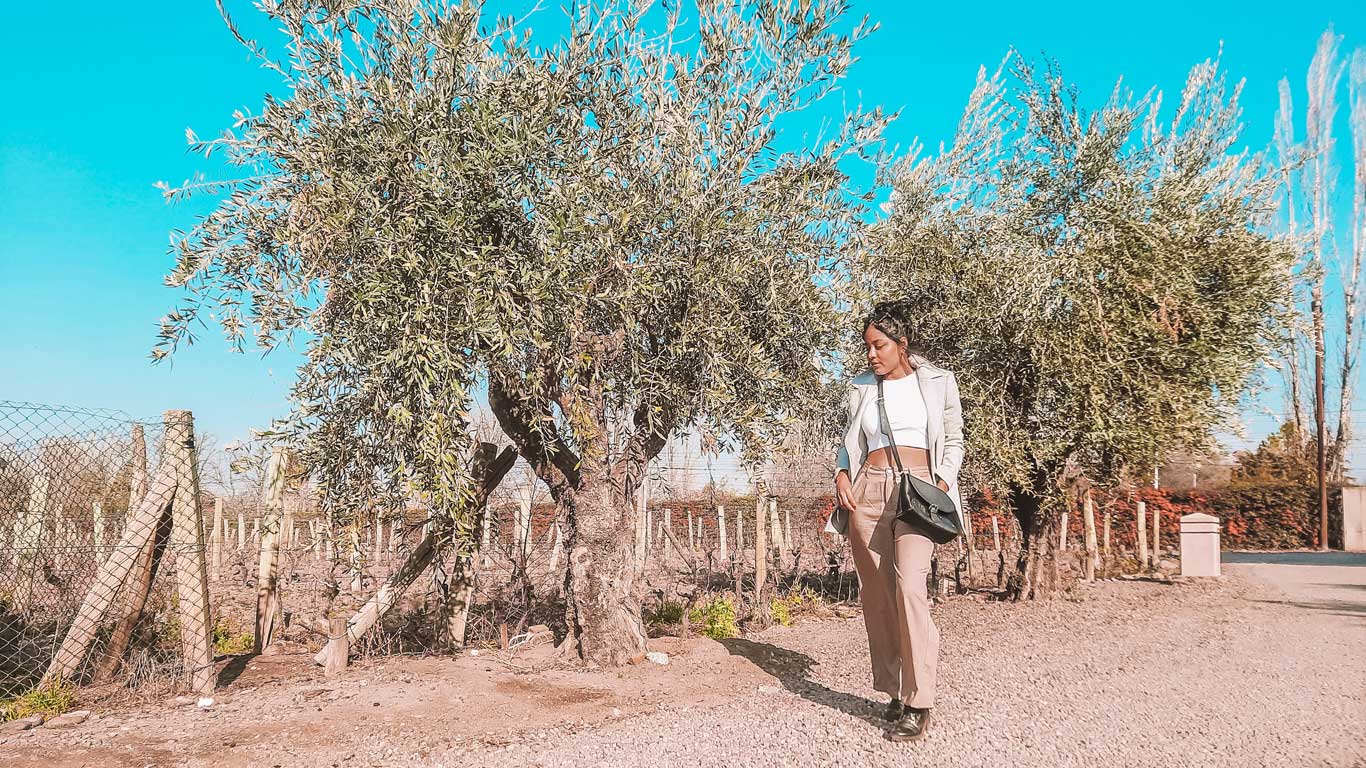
(1267, 668)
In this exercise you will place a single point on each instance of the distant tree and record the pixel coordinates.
(1100, 281)
(605, 234)
(1309, 208)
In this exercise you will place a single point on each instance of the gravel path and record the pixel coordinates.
(1267, 668)
(1264, 668)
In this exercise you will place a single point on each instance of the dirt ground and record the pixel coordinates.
(1198, 673)
(279, 710)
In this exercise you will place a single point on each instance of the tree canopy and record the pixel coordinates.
(1103, 282)
(602, 232)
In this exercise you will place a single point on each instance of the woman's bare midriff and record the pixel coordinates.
(910, 457)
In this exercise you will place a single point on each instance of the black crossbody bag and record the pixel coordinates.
(924, 506)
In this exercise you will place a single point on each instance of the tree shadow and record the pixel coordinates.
(793, 670)
(1345, 608)
(233, 669)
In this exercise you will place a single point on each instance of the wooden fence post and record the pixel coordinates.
(28, 543)
(1157, 536)
(113, 576)
(761, 526)
(777, 530)
(1089, 525)
(216, 538)
(1142, 517)
(187, 536)
(1062, 536)
(97, 518)
(137, 482)
(269, 611)
(1106, 557)
(721, 531)
(338, 647)
(488, 477)
(241, 530)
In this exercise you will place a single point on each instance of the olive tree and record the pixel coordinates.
(1101, 281)
(601, 236)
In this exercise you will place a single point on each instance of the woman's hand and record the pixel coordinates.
(844, 490)
(943, 486)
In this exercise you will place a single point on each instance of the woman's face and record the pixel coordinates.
(884, 355)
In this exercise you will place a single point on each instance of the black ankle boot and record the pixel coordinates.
(912, 725)
(895, 709)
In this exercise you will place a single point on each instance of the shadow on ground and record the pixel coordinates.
(793, 670)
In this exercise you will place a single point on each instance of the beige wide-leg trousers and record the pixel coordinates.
(892, 562)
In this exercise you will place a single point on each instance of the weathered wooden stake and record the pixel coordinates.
(422, 555)
(995, 534)
(761, 526)
(1157, 536)
(777, 530)
(269, 611)
(1062, 536)
(97, 517)
(137, 482)
(241, 530)
(187, 536)
(1089, 525)
(28, 543)
(338, 648)
(116, 575)
(1142, 517)
(721, 530)
(216, 538)
(1106, 557)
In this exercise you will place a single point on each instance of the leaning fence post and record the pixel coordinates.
(187, 535)
(113, 576)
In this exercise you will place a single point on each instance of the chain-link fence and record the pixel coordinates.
(100, 555)
(114, 569)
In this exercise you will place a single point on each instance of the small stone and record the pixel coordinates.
(70, 718)
(205, 702)
(22, 724)
(658, 657)
(769, 689)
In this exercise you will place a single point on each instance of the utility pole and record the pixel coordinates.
(1317, 310)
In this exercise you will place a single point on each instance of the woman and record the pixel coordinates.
(892, 558)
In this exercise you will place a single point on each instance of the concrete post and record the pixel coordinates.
(1200, 545)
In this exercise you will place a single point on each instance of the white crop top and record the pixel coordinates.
(906, 412)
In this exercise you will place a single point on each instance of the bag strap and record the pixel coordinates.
(885, 424)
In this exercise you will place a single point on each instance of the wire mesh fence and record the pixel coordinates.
(100, 559)
(115, 568)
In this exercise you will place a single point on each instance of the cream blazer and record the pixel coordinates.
(945, 431)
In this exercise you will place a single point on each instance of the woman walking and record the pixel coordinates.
(924, 417)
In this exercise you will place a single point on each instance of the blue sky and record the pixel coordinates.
(99, 96)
